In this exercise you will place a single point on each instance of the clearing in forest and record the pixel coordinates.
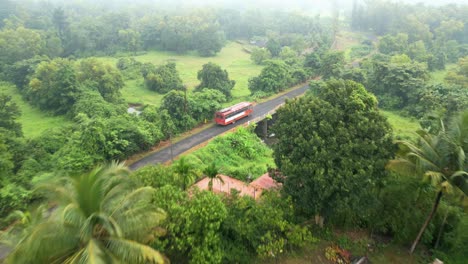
(231, 58)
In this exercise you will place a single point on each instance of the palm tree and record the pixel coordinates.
(435, 157)
(100, 219)
(212, 172)
(185, 171)
(22, 222)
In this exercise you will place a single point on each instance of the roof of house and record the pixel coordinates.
(265, 182)
(253, 189)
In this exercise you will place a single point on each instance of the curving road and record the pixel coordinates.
(180, 147)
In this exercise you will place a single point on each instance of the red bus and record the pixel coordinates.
(233, 113)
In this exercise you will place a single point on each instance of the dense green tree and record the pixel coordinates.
(54, 86)
(260, 55)
(266, 229)
(274, 47)
(396, 44)
(332, 64)
(460, 75)
(289, 55)
(417, 51)
(61, 24)
(439, 158)
(163, 79)
(397, 85)
(193, 225)
(205, 103)
(437, 60)
(9, 112)
(297, 42)
(103, 77)
(313, 63)
(446, 100)
(273, 78)
(130, 68)
(19, 44)
(100, 217)
(332, 148)
(20, 72)
(213, 77)
(130, 39)
(417, 29)
(400, 59)
(155, 176)
(91, 103)
(168, 128)
(355, 74)
(176, 34)
(448, 29)
(178, 106)
(453, 51)
(209, 40)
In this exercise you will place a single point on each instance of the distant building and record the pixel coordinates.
(253, 189)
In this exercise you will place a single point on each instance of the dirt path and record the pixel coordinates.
(164, 155)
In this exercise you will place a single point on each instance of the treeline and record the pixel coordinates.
(39, 28)
(431, 35)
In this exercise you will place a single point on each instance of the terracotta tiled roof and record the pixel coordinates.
(265, 182)
(253, 190)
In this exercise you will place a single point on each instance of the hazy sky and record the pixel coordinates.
(300, 5)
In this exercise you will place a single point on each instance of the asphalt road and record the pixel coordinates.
(182, 146)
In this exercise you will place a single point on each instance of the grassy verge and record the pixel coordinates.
(232, 58)
(238, 154)
(403, 127)
(33, 120)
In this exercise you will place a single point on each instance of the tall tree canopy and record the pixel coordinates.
(103, 77)
(9, 112)
(274, 77)
(163, 79)
(332, 148)
(54, 86)
(213, 77)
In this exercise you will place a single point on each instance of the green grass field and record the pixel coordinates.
(232, 58)
(33, 120)
(402, 126)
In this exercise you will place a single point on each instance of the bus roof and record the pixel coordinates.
(235, 107)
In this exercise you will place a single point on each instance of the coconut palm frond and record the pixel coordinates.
(140, 195)
(132, 252)
(460, 180)
(76, 257)
(99, 225)
(72, 216)
(54, 241)
(137, 226)
(436, 178)
(461, 161)
(446, 187)
(56, 191)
